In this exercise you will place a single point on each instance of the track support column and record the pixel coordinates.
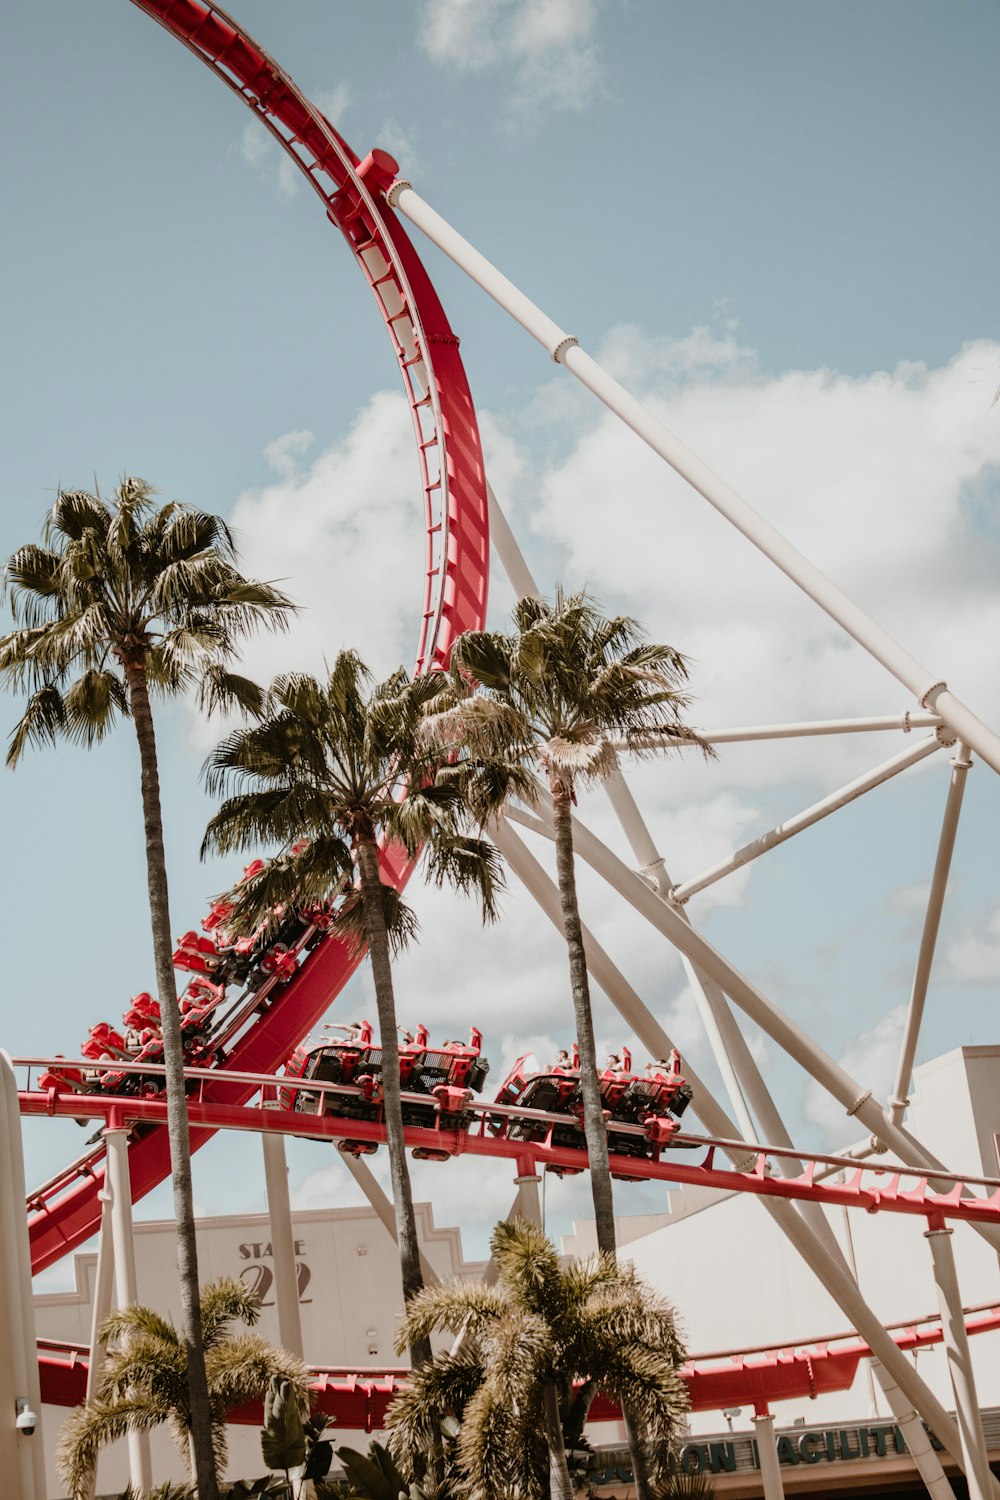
(126, 1284)
(103, 1287)
(767, 1456)
(927, 1463)
(279, 1208)
(22, 1455)
(963, 1383)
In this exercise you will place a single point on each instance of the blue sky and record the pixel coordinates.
(774, 221)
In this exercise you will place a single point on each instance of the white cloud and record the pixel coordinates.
(343, 534)
(545, 47)
(974, 955)
(334, 102)
(889, 482)
(398, 141)
(871, 1058)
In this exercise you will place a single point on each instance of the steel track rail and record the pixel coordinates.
(885, 1191)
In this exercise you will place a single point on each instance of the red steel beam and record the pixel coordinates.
(891, 1197)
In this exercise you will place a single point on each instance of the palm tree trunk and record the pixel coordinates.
(402, 1195)
(594, 1125)
(177, 1115)
(560, 1483)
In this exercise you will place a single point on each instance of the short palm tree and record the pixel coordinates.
(344, 766)
(538, 1347)
(126, 601)
(563, 696)
(144, 1383)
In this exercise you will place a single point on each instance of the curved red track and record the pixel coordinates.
(64, 1214)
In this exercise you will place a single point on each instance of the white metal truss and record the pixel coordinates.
(716, 983)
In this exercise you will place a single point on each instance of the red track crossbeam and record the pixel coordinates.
(888, 1195)
(359, 1400)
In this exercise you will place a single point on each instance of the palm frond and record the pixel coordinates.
(400, 920)
(450, 1305)
(137, 1318)
(93, 705)
(74, 513)
(90, 1428)
(43, 721)
(471, 866)
(222, 691)
(224, 1301)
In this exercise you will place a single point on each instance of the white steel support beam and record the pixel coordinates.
(929, 689)
(104, 1277)
(824, 1260)
(279, 1210)
(767, 1456)
(510, 555)
(904, 722)
(899, 1098)
(712, 1005)
(921, 1450)
(22, 1454)
(126, 1284)
(911, 756)
(963, 1382)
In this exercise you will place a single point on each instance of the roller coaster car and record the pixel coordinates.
(648, 1100)
(448, 1076)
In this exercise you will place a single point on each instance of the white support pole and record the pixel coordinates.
(767, 1456)
(126, 1283)
(810, 815)
(711, 1003)
(930, 691)
(279, 1209)
(826, 1262)
(904, 722)
(921, 1449)
(510, 555)
(104, 1274)
(961, 765)
(369, 1185)
(22, 1455)
(529, 1203)
(963, 1381)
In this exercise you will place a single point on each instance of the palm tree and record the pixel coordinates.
(144, 1383)
(330, 763)
(124, 601)
(563, 696)
(539, 1345)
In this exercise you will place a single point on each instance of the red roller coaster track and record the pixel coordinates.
(454, 488)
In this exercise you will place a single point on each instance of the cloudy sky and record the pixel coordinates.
(775, 224)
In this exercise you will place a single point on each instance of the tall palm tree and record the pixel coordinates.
(563, 696)
(144, 1383)
(539, 1345)
(330, 763)
(122, 602)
